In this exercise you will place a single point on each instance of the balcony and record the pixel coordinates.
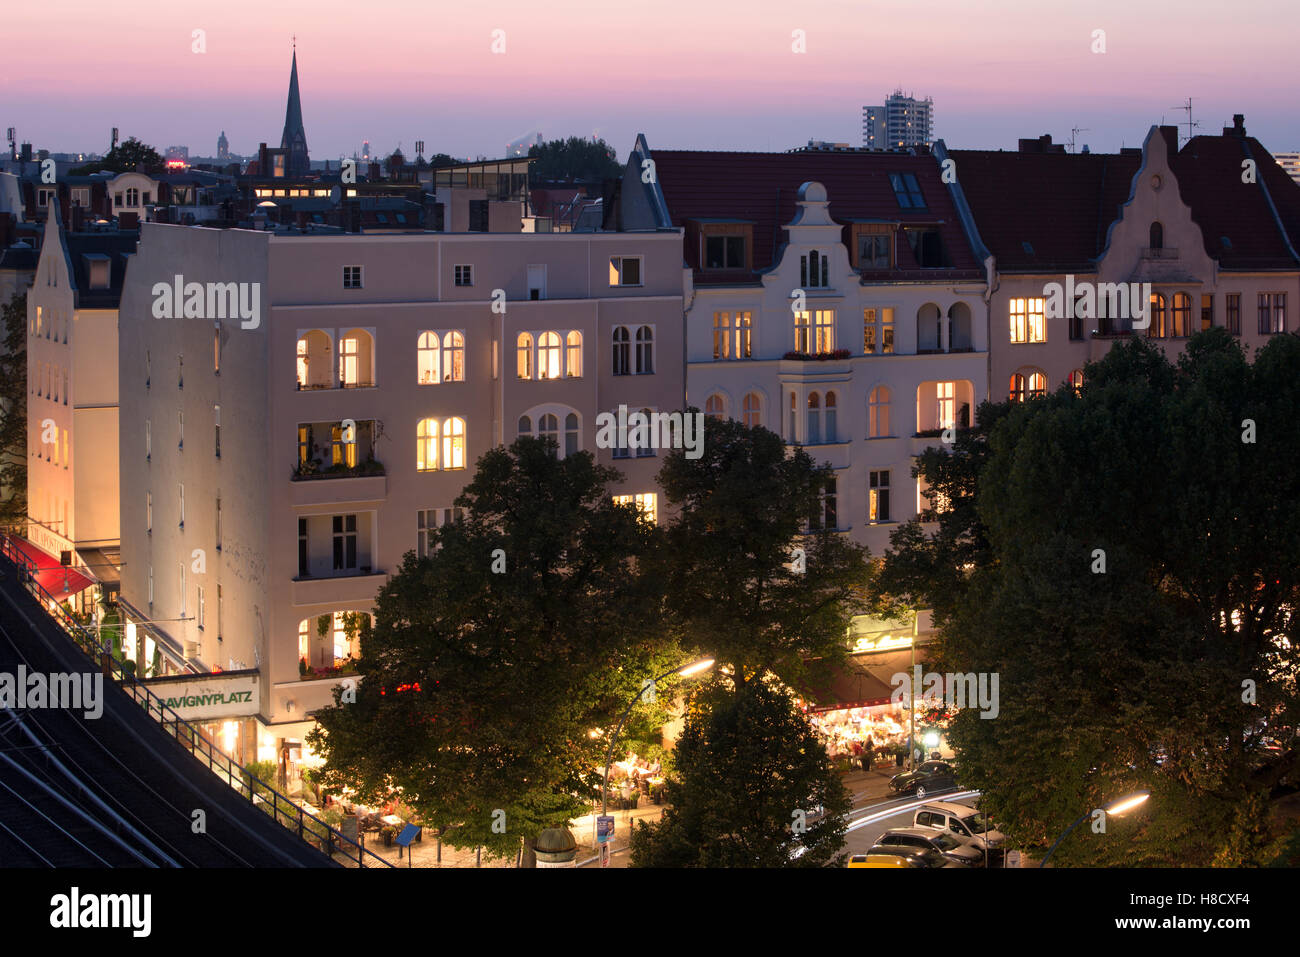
(342, 489)
(353, 585)
(342, 449)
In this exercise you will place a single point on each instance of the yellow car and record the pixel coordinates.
(878, 860)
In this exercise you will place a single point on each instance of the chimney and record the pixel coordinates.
(1239, 123)
(78, 219)
(1170, 133)
(1041, 145)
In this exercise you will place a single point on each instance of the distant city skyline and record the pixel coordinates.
(688, 76)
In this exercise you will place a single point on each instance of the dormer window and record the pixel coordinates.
(724, 244)
(873, 245)
(724, 252)
(97, 270)
(928, 249)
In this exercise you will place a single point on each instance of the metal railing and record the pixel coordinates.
(281, 808)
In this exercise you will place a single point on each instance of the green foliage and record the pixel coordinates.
(575, 159)
(727, 558)
(750, 777)
(1132, 678)
(124, 158)
(481, 689)
(13, 412)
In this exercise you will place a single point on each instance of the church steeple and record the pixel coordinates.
(294, 138)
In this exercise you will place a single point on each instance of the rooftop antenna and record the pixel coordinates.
(1191, 125)
(1074, 132)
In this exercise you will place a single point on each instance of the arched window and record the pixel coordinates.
(302, 363)
(1157, 236)
(132, 196)
(349, 362)
(548, 356)
(1182, 315)
(814, 418)
(1076, 381)
(426, 446)
(573, 355)
(878, 412)
(622, 351)
(453, 443)
(524, 356)
(1037, 385)
(831, 431)
(1156, 315)
(713, 406)
(525, 425)
(753, 410)
(1017, 388)
(571, 433)
(453, 357)
(427, 358)
(645, 358)
(548, 427)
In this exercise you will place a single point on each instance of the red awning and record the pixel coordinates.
(59, 580)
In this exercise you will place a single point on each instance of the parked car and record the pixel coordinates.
(929, 776)
(945, 842)
(965, 823)
(902, 857)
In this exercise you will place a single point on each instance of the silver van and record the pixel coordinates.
(964, 823)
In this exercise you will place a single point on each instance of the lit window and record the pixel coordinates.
(302, 363)
(453, 357)
(426, 358)
(753, 410)
(647, 504)
(548, 356)
(426, 449)
(878, 496)
(349, 362)
(1027, 321)
(524, 356)
(713, 406)
(453, 443)
(573, 355)
(946, 396)
(1076, 381)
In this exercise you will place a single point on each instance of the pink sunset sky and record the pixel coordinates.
(719, 74)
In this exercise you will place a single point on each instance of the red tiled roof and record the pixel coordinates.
(762, 188)
(1063, 204)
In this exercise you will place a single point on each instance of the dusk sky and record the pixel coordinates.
(713, 75)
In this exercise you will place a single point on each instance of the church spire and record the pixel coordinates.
(294, 138)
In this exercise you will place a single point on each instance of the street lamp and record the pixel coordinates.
(685, 671)
(1122, 806)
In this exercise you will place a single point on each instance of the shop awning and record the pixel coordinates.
(57, 579)
(863, 682)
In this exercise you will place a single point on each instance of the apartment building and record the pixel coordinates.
(831, 297)
(72, 403)
(900, 123)
(276, 468)
(1204, 236)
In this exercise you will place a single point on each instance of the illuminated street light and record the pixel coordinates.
(1118, 807)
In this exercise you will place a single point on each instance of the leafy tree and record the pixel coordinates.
(1127, 562)
(13, 412)
(739, 594)
(573, 160)
(480, 689)
(752, 788)
(124, 158)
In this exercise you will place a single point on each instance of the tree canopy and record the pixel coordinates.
(1128, 561)
(125, 158)
(575, 159)
(752, 788)
(499, 664)
(13, 412)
